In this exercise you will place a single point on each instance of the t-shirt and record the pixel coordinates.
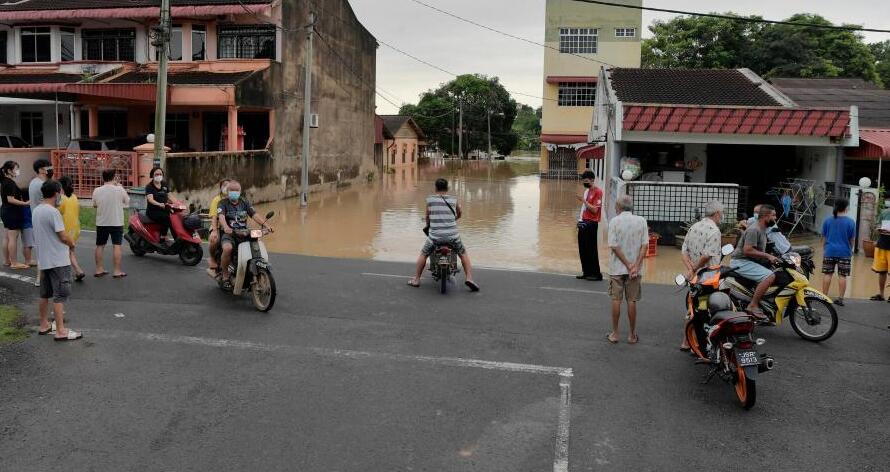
(110, 201)
(593, 196)
(235, 213)
(214, 205)
(884, 239)
(159, 194)
(703, 239)
(8, 188)
(753, 236)
(630, 233)
(70, 210)
(34, 193)
(47, 224)
(837, 233)
(443, 222)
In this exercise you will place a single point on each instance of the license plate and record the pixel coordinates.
(747, 358)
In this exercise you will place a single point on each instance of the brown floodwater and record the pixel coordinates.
(512, 219)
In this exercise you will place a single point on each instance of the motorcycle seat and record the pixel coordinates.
(802, 250)
(144, 219)
(726, 315)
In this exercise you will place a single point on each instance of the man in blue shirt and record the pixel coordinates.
(838, 233)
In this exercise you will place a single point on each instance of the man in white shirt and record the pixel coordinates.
(110, 200)
(628, 244)
(701, 247)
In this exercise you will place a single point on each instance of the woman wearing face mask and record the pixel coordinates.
(157, 197)
(12, 212)
(214, 226)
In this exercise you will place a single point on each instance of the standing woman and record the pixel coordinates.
(70, 210)
(157, 197)
(838, 234)
(12, 212)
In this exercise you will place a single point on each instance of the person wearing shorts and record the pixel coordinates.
(838, 235)
(882, 255)
(628, 244)
(110, 200)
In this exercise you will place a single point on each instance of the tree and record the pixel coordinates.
(768, 49)
(527, 128)
(437, 114)
(881, 51)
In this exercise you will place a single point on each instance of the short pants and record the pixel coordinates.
(882, 260)
(750, 269)
(456, 245)
(103, 232)
(28, 237)
(230, 239)
(842, 263)
(55, 283)
(13, 217)
(623, 287)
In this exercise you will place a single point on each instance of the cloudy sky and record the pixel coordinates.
(463, 48)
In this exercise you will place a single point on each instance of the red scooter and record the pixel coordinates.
(144, 235)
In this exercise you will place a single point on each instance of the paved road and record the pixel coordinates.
(355, 371)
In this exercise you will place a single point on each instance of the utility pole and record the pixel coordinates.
(162, 39)
(460, 129)
(307, 111)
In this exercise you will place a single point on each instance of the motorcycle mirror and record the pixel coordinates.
(270, 214)
(680, 280)
(727, 249)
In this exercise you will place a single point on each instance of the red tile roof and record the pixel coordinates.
(774, 121)
(874, 144)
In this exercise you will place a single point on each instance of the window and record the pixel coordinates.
(3, 58)
(578, 40)
(246, 42)
(625, 32)
(113, 124)
(66, 43)
(17, 142)
(577, 94)
(32, 127)
(36, 45)
(109, 44)
(199, 41)
(3, 142)
(174, 51)
(176, 131)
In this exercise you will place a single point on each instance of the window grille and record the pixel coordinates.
(109, 44)
(246, 42)
(625, 32)
(578, 40)
(660, 201)
(577, 94)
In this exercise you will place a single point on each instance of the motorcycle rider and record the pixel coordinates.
(751, 250)
(213, 239)
(442, 213)
(232, 215)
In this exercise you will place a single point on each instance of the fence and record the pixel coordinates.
(85, 168)
(681, 202)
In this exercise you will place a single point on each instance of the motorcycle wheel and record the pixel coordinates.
(191, 254)
(262, 290)
(135, 248)
(443, 284)
(692, 340)
(745, 389)
(807, 321)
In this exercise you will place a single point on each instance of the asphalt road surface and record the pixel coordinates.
(355, 371)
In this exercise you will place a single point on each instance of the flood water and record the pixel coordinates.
(512, 219)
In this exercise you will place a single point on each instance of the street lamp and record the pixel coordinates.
(864, 183)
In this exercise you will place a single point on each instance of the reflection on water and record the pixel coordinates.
(512, 219)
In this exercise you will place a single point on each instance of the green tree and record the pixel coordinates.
(437, 114)
(881, 51)
(527, 128)
(700, 42)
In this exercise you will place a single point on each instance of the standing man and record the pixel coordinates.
(110, 200)
(882, 254)
(751, 250)
(628, 244)
(54, 261)
(588, 227)
(701, 247)
(44, 170)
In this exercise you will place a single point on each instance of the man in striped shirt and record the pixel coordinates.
(442, 213)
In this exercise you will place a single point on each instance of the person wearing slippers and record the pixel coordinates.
(110, 200)
(70, 210)
(12, 212)
(881, 262)
(442, 213)
(746, 259)
(54, 261)
(628, 244)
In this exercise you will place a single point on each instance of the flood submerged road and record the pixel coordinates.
(512, 219)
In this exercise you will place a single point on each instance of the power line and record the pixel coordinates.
(733, 18)
(509, 35)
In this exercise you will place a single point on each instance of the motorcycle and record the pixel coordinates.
(443, 265)
(778, 245)
(144, 235)
(249, 269)
(811, 312)
(721, 336)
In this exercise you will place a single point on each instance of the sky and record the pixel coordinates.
(462, 48)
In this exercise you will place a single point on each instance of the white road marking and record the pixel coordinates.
(561, 452)
(573, 290)
(21, 278)
(371, 274)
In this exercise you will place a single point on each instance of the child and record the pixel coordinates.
(70, 210)
(837, 237)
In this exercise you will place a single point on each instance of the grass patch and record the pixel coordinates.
(12, 325)
(88, 218)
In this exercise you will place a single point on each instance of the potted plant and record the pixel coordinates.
(868, 244)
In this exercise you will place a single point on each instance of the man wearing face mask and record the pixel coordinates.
(588, 226)
(232, 215)
(44, 170)
(751, 250)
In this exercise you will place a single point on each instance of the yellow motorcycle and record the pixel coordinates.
(811, 312)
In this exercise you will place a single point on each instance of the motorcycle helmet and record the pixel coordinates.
(719, 301)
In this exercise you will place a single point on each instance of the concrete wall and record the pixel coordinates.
(193, 176)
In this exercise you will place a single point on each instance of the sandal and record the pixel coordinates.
(52, 327)
(100, 274)
(756, 313)
(473, 286)
(414, 283)
(79, 277)
(19, 266)
(635, 339)
(119, 276)
(877, 298)
(609, 338)
(72, 336)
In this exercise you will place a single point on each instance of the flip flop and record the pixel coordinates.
(100, 274)
(685, 349)
(72, 336)
(52, 327)
(634, 340)
(413, 284)
(609, 338)
(473, 286)
(876, 298)
(32, 264)
(19, 266)
(79, 277)
(119, 276)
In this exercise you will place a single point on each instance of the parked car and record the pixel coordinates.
(105, 144)
(11, 141)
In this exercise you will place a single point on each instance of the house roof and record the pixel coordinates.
(393, 123)
(728, 87)
(183, 78)
(873, 103)
(874, 144)
(45, 78)
(37, 5)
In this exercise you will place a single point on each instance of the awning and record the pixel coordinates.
(572, 79)
(563, 138)
(135, 12)
(594, 151)
(874, 144)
